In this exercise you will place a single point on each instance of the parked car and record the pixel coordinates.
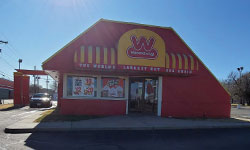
(40, 100)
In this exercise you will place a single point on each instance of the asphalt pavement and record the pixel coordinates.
(243, 112)
(11, 116)
(204, 139)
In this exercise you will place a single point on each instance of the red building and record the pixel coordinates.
(117, 68)
(6, 89)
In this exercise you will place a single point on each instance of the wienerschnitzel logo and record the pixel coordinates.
(142, 48)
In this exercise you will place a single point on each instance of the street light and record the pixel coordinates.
(20, 61)
(38, 83)
(240, 71)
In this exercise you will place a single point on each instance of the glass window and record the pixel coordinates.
(113, 87)
(39, 95)
(81, 86)
(151, 90)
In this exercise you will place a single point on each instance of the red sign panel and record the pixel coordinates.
(142, 48)
(135, 68)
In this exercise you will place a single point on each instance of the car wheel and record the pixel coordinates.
(48, 106)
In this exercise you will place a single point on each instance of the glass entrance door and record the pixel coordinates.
(143, 94)
(136, 95)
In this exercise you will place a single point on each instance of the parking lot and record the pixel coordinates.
(12, 115)
(242, 112)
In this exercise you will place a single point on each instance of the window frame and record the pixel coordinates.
(124, 86)
(95, 88)
(99, 88)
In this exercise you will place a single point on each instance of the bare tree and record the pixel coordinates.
(238, 87)
(53, 86)
(34, 89)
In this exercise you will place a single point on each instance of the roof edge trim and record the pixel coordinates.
(133, 23)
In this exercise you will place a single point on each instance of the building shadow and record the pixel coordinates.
(51, 140)
(136, 139)
(70, 139)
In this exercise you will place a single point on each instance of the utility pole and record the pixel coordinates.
(3, 42)
(38, 82)
(34, 81)
(240, 69)
(47, 82)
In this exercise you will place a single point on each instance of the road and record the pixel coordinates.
(243, 112)
(12, 141)
(220, 139)
(208, 139)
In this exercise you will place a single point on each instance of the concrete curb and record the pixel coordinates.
(56, 130)
(130, 124)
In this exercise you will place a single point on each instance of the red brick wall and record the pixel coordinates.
(92, 107)
(194, 96)
(21, 89)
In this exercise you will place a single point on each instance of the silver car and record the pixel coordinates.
(40, 100)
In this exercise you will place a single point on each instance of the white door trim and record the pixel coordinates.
(127, 92)
(159, 96)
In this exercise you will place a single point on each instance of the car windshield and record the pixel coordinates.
(40, 95)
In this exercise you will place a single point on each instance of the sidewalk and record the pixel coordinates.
(128, 122)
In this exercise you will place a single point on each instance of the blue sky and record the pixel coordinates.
(217, 31)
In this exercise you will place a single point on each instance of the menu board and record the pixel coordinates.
(83, 86)
(112, 87)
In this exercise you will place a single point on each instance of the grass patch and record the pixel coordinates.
(53, 115)
(234, 105)
(44, 115)
(6, 106)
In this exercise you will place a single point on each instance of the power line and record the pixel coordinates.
(8, 63)
(6, 74)
(14, 51)
(3, 42)
(10, 56)
(11, 50)
(10, 45)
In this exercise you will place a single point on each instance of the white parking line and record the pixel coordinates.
(24, 113)
(27, 116)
